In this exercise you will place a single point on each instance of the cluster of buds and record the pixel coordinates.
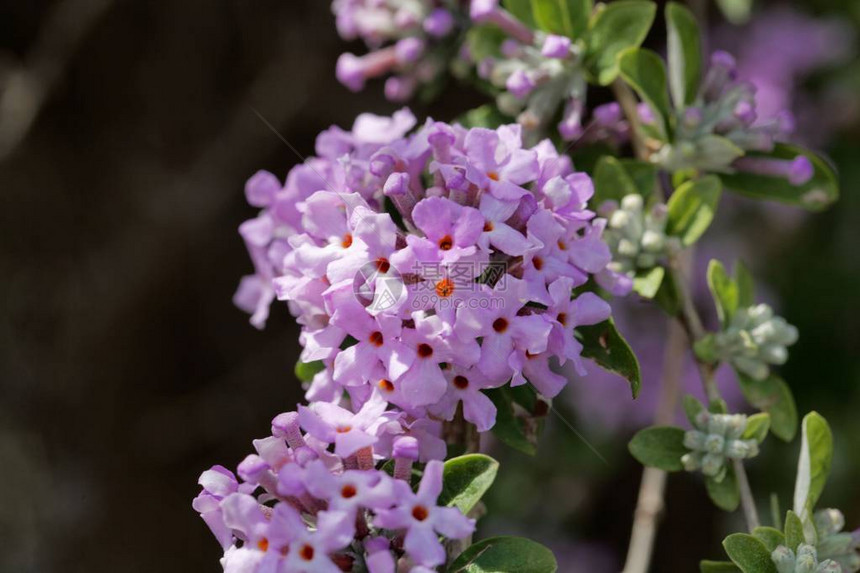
(407, 39)
(804, 560)
(722, 125)
(755, 339)
(315, 502)
(636, 235)
(538, 72)
(840, 546)
(715, 439)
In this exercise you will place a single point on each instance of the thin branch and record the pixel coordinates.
(627, 101)
(650, 504)
(747, 499)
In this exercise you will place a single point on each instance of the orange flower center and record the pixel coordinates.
(538, 263)
(446, 243)
(500, 324)
(420, 512)
(382, 265)
(376, 338)
(347, 241)
(461, 382)
(263, 544)
(562, 318)
(343, 429)
(493, 175)
(444, 288)
(386, 385)
(348, 491)
(306, 552)
(425, 350)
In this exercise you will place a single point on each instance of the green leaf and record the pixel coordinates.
(505, 555)
(522, 11)
(748, 553)
(725, 494)
(817, 194)
(659, 447)
(685, 54)
(770, 536)
(758, 426)
(724, 290)
(647, 282)
(667, 297)
(562, 17)
(466, 479)
(305, 371)
(646, 73)
(603, 344)
(692, 207)
(611, 181)
(736, 11)
(484, 41)
(793, 531)
(620, 25)
(692, 408)
(509, 428)
(643, 174)
(746, 285)
(813, 467)
(718, 567)
(772, 395)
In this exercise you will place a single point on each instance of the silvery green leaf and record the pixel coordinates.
(616, 27)
(466, 479)
(645, 71)
(685, 54)
(772, 395)
(770, 536)
(692, 207)
(505, 555)
(793, 530)
(748, 553)
(724, 290)
(813, 466)
(757, 428)
(725, 492)
(660, 447)
(562, 17)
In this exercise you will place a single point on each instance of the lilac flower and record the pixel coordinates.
(218, 483)
(464, 386)
(498, 163)
(407, 40)
(423, 520)
(348, 431)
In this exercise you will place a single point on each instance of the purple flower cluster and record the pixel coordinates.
(303, 509)
(405, 38)
(426, 268)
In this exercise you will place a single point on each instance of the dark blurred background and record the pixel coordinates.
(127, 131)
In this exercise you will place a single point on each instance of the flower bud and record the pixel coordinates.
(714, 444)
(712, 464)
(829, 566)
(692, 462)
(829, 521)
(783, 558)
(694, 440)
